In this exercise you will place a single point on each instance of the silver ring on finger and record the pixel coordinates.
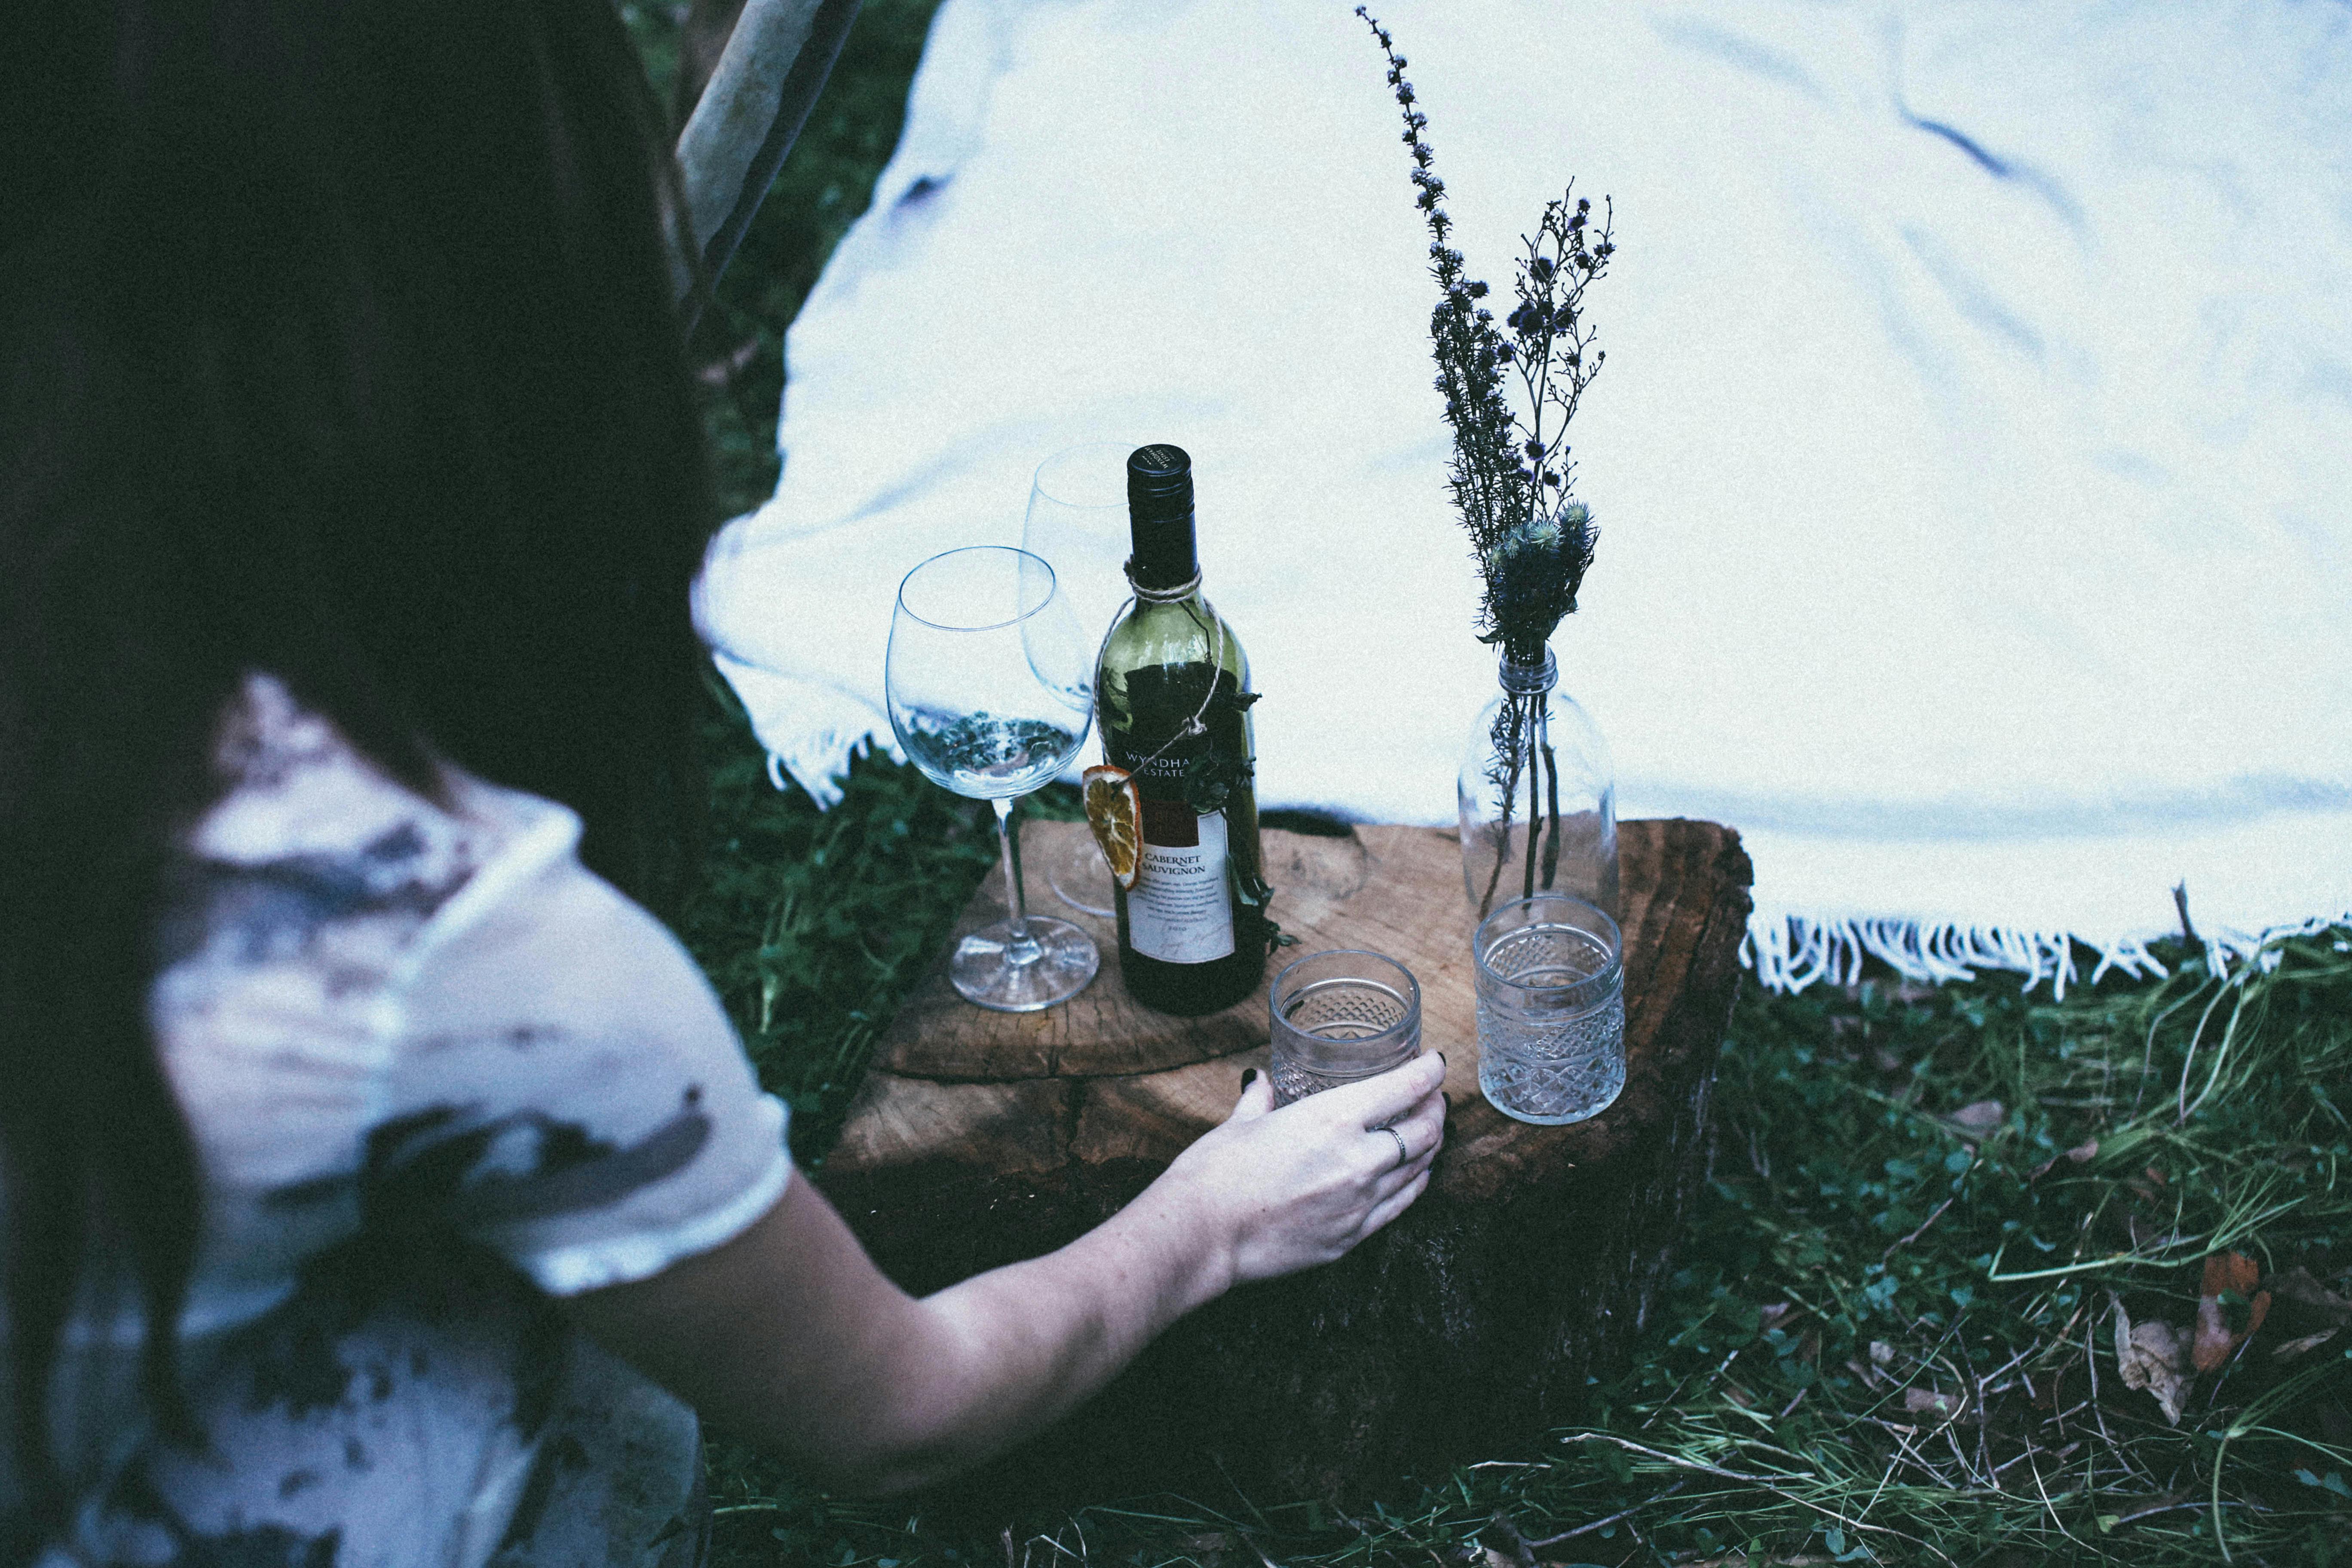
(1404, 1153)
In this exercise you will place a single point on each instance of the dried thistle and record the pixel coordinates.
(1511, 477)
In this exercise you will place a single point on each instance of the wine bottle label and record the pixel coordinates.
(1178, 912)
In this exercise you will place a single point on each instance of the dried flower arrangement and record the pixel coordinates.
(1511, 476)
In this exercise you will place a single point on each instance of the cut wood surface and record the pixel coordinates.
(980, 1138)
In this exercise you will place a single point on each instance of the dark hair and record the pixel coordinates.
(338, 342)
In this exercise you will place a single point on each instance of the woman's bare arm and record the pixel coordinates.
(790, 1336)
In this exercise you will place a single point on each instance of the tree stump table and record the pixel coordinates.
(1464, 1328)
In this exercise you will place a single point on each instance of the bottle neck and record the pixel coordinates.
(1148, 594)
(1160, 520)
(1164, 567)
(1528, 679)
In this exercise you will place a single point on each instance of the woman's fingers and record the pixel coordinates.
(1257, 1097)
(1395, 1203)
(1389, 1095)
(1408, 1141)
(1386, 1184)
(1423, 1127)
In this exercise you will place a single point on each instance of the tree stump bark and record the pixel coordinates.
(1462, 1332)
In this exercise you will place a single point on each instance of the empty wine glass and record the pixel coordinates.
(1077, 525)
(989, 680)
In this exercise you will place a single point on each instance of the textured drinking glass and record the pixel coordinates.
(989, 683)
(1077, 523)
(1551, 1009)
(1338, 1016)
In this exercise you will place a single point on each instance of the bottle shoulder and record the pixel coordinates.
(1578, 745)
(1187, 631)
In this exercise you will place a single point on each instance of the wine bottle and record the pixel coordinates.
(1172, 696)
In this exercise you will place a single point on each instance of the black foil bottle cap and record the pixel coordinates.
(1159, 517)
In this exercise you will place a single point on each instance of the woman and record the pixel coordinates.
(378, 1179)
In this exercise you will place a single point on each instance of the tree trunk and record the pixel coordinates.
(1461, 1332)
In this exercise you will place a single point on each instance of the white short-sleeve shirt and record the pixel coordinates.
(437, 1074)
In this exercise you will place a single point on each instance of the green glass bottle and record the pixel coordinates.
(1172, 695)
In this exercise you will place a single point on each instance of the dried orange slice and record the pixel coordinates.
(1115, 811)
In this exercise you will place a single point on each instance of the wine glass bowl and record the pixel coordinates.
(1078, 523)
(989, 685)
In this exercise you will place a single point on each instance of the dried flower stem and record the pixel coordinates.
(1511, 477)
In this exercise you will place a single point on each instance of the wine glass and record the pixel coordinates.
(989, 681)
(1077, 525)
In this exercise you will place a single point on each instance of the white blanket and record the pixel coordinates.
(1973, 458)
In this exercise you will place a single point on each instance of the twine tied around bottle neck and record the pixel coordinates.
(1183, 590)
(1528, 679)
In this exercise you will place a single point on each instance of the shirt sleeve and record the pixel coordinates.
(568, 1090)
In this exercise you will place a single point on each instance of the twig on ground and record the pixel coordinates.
(1933, 1216)
(1612, 1519)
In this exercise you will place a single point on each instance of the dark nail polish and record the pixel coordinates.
(1446, 1097)
(1440, 1057)
(1249, 1077)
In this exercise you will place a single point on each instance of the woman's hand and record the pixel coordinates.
(1285, 1190)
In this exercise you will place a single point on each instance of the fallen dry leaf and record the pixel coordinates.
(2149, 1355)
(2298, 1286)
(2216, 1341)
(2082, 1153)
(2046, 1393)
(1978, 1117)
(2231, 1272)
(2308, 1343)
(2148, 1186)
(1930, 1401)
(2131, 1509)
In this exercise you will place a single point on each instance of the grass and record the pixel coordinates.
(1893, 1334)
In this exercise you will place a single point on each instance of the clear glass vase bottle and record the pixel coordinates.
(1535, 760)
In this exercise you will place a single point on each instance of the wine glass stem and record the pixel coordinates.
(1021, 948)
